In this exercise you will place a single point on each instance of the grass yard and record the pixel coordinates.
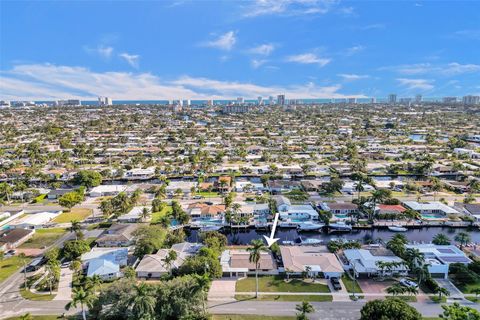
(468, 288)
(9, 265)
(278, 284)
(299, 298)
(473, 299)
(78, 214)
(350, 285)
(247, 317)
(157, 216)
(436, 299)
(207, 194)
(43, 238)
(27, 294)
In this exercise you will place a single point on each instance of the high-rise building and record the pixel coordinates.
(68, 103)
(260, 101)
(281, 99)
(235, 108)
(188, 102)
(4, 104)
(209, 103)
(392, 98)
(352, 100)
(471, 100)
(373, 100)
(240, 100)
(105, 101)
(418, 98)
(449, 100)
(271, 101)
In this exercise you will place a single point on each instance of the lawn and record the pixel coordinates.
(27, 294)
(350, 285)
(468, 288)
(473, 299)
(78, 214)
(247, 317)
(43, 238)
(156, 216)
(299, 298)
(9, 265)
(278, 284)
(207, 194)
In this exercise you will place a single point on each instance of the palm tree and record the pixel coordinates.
(170, 259)
(26, 316)
(203, 282)
(257, 246)
(411, 290)
(463, 238)
(52, 270)
(82, 297)
(304, 308)
(441, 239)
(396, 289)
(23, 259)
(442, 291)
(94, 282)
(145, 213)
(76, 228)
(6, 191)
(142, 302)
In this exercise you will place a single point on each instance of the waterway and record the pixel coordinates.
(242, 237)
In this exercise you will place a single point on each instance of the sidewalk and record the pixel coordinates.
(64, 291)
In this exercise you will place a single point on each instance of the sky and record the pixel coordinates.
(155, 50)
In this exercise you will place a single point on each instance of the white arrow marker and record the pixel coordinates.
(272, 240)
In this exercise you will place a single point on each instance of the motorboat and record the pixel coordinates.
(340, 226)
(309, 241)
(397, 228)
(287, 224)
(210, 228)
(309, 226)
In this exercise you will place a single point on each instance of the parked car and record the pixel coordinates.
(35, 264)
(408, 283)
(198, 197)
(335, 283)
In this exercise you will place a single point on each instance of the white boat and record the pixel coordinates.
(397, 228)
(287, 224)
(210, 228)
(309, 241)
(309, 226)
(340, 226)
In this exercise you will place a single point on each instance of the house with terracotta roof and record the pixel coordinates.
(317, 261)
(236, 263)
(205, 211)
(389, 209)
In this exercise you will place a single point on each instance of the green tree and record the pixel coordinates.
(458, 312)
(463, 238)
(83, 297)
(75, 248)
(257, 246)
(304, 308)
(441, 239)
(88, 178)
(70, 199)
(142, 302)
(389, 309)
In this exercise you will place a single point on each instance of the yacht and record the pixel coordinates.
(287, 224)
(397, 228)
(210, 228)
(339, 226)
(309, 241)
(309, 226)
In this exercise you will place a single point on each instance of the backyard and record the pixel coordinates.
(43, 238)
(78, 214)
(157, 216)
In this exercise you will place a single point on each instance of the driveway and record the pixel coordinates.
(222, 290)
(339, 295)
(65, 285)
(374, 287)
(447, 284)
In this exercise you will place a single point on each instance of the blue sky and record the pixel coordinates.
(207, 49)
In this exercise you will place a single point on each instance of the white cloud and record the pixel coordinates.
(50, 82)
(308, 58)
(449, 69)
(102, 51)
(263, 49)
(257, 63)
(288, 7)
(419, 84)
(224, 42)
(132, 59)
(473, 34)
(353, 50)
(353, 77)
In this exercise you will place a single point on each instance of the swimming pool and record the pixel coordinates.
(432, 216)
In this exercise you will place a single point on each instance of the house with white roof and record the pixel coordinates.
(289, 211)
(105, 262)
(134, 215)
(439, 257)
(107, 190)
(140, 174)
(317, 260)
(432, 207)
(105, 269)
(35, 220)
(365, 262)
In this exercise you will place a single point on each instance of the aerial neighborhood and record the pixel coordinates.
(311, 203)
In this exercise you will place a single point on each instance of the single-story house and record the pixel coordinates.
(153, 266)
(235, 263)
(389, 209)
(140, 174)
(117, 255)
(106, 269)
(55, 194)
(12, 238)
(472, 209)
(134, 215)
(366, 262)
(340, 208)
(439, 257)
(297, 259)
(118, 235)
(206, 211)
(433, 207)
(35, 220)
(107, 190)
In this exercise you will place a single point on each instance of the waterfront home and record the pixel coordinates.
(118, 235)
(35, 220)
(153, 266)
(223, 184)
(279, 186)
(206, 211)
(340, 210)
(12, 238)
(317, 261)
(431, 210)
(391, 209)
(367, 262)
(134, 215)
(248, 186)
(439, 257)
(472, 209)
(185, 186)
(107, 190)
(349, 187)
(297, 212)
(236, 263)
(139, 174)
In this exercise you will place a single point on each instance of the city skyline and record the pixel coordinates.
(224, 50)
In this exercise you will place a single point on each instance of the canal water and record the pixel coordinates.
(242, 237)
